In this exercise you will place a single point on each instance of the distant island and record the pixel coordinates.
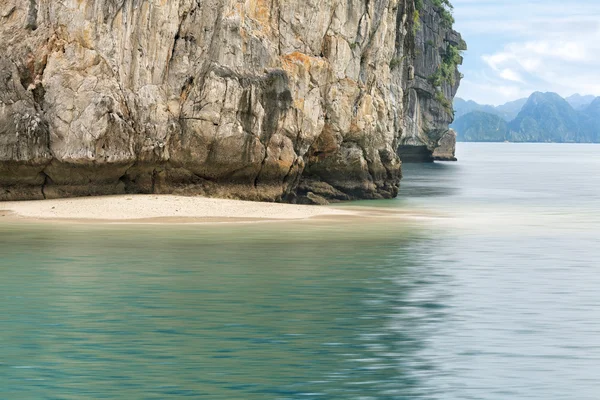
(542, 118)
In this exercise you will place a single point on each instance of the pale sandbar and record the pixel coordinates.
(163, 209)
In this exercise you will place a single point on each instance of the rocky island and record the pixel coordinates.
(272, 100)
(541, 118)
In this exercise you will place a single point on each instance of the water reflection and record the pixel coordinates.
(430, 180)
(494, 298)
(324, 312)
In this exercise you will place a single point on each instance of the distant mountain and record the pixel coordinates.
(594, 108)
(511, 109)
(506, 111)
(543, 117)
(590, 122)
(479, 126)
(579, 102)
(462, 107)
(546, 117)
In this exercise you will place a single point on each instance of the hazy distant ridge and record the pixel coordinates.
(506, 111)
(543, 117)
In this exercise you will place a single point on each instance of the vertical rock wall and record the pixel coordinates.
(429, 90)
(277, 100)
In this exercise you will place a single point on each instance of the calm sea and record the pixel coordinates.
(494, 294)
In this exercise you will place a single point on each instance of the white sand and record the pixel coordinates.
(165, 208)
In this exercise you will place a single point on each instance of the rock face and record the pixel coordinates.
(277, 100)
(433, 80)
(446, 149)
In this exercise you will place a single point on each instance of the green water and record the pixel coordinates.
(494, 298)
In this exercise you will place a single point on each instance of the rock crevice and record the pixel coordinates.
(301, 101)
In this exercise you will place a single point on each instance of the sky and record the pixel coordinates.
(517, 47)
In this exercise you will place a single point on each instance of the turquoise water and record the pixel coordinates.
(494, 294)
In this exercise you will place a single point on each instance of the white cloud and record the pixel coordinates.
(517, 47)
(561, 66)
(491, 92)
(510, 75)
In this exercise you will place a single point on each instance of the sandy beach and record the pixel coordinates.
(163, 208)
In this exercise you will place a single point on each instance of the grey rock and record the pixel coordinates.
(446, 150)
(428, 108)
(315, 199)
(258, 100)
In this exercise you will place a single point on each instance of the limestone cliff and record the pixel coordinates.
(434, 55)
(277, 100)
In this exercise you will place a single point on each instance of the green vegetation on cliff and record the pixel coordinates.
(444, 9)
(447, 70)
(437, 54)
